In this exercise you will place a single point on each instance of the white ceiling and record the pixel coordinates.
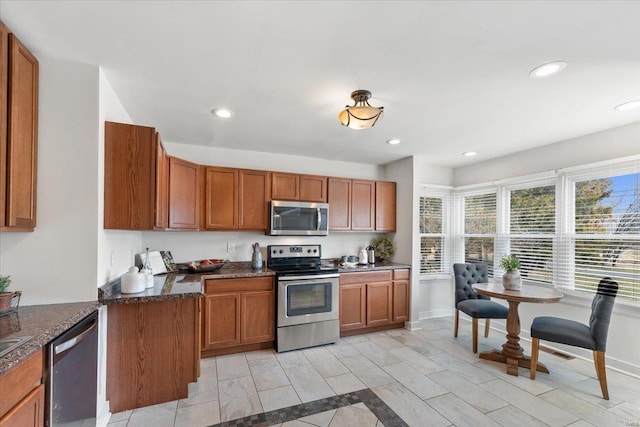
(452, 76)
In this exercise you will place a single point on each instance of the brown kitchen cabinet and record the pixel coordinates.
(19, 134)
(304, 188)
(385, 206)
(236, 199)
(22, 402)
(369, 301)
(136, 178)
(363, 201)
(239, 315)
(339, 204)
(153, 352)
(184, 193)
(401, 295)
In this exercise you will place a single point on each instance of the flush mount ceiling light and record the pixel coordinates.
(469, 153)
(394, 141)
(360, 115)
(546, 70)
(628, 105)
(223, 113)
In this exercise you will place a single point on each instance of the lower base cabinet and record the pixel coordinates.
(374, 300)
(153, 352)
(239, 315)
(22, 394)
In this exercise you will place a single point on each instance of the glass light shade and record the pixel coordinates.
(360, 117)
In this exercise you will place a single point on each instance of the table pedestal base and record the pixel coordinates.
(512, 363)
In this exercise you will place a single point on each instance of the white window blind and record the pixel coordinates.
(532, 230)
(434, 240)
(480, 229)
(606, 238)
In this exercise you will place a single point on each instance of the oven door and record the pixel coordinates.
(307, 299)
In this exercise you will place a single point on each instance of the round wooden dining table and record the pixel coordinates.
(512, 354)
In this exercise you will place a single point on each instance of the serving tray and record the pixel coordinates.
(201, 267)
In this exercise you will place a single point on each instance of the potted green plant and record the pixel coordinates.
(5, 296)
(383, 247)
(511, 279)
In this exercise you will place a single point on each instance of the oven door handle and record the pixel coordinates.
(310, 276)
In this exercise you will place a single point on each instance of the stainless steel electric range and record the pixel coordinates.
(307, 297)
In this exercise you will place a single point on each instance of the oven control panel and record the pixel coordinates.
(293, 251)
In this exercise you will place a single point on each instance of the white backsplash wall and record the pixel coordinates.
(190, 246)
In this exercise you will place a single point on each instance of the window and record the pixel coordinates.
(480, 229)
(532, 219)
(433, 229)
(606, 243)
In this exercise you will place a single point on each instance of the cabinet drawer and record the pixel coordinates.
(214, 286)
(401, 274)
(366, 277)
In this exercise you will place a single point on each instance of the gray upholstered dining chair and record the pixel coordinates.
(569, 332)
(471, 303)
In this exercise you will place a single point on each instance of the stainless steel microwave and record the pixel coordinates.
(299, 218)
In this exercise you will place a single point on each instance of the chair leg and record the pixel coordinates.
(455, 324)
(598, 358)
(535, 347)
(475, 334)
(486, 328)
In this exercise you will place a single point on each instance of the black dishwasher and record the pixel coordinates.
(72, 376)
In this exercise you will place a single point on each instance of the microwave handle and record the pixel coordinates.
(319, 219)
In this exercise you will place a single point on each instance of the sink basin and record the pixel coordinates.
(8, 344)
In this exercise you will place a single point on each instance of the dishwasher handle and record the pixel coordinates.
(69, 344)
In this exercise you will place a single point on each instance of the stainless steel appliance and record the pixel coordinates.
(72, 376)
(307, 297)
(299, 219)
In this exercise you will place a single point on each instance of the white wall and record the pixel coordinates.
(56, 262)
(623, 348)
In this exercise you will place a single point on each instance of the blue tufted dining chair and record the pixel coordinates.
(569, 332)
(471, 303)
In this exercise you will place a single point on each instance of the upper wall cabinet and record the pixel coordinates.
(136, 178)
(18, 134)
(236, 199)
(184, 194)
(361, 205)
(306, 188)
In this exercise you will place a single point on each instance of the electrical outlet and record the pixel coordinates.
(231, 247)
(112, 258)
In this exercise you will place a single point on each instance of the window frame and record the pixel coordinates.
(446, 195)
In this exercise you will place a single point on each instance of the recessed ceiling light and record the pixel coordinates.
(223, 113)
(628, 105)
(469, 153)
(546, 70)
(394, 141)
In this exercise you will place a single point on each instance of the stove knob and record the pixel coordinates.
(315, 250)
(275, 251)
(281, 251)
(309, 251)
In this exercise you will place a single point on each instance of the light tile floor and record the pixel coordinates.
(427, 377)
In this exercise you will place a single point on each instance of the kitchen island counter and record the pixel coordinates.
(42, 322)
(177, 285)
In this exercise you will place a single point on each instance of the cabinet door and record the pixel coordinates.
(339, 204)
(221, 321)
(285, 186)
(28, 413)
(4, 84)
(400, 301)
(183, 194)
(162, 186)
(385, 206)
(363, 195)
(221, 199)
(379, 297)
(258, 318)
(129, 176)
(253, 200)
(22, 139)
(352, 306)
(313, 188)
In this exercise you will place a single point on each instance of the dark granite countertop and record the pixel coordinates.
(44, 323)
(373, 267)
(178, 285)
